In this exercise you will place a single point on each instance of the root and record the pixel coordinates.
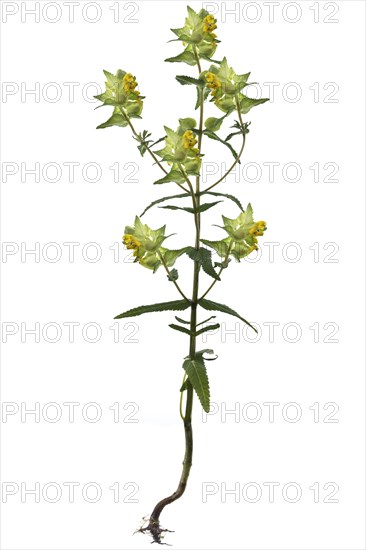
(155, 530)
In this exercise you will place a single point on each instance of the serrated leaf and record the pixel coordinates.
(181, 329)
(231, 197)
(180, 195)
(174, 305)
(209, 327)
(184, 80)
(203, 257)
(214, 306)
(201, 208)
(215, 137)
(197, 375)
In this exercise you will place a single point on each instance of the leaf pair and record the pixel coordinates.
(184, 195)
(181, 305)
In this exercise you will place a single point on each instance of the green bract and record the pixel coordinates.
(180, 152)
(226, 86)
(146, 245)
(198, 37)
(121, 93)
(243, 232)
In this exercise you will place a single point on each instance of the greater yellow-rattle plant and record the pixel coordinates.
(180, 161)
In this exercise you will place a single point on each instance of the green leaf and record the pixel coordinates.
(206, 92)
(214, 136)
(197, 375)
(209, 327)
(207, 58)
(232, 135)
(221, 247)
(170, 256)
(174, 305)
(214, 306)
(201, 208)
(183, 38)
(214, 124)
(187, 124)
(206, 321)
(173, 176)
(181, 329)
(182, 79)
(180, 195)
(231, 197)
(184, 57)
(116, 120)
(242, 129)
(182, 320)
(184, 385)
(203, 257)
(246, 103)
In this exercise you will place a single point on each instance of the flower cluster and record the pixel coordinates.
(180, 150)
(226, 86)
(209, 25)
(146, 245)
(129, 83)
(121, 93)
(197, 36)
(189, 139)
(242, 240)
(212, 82)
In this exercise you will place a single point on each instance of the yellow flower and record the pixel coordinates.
(129, 83)
(189, 140)
(212, 82)
(209, 23)
(131, 243)
(258, 229)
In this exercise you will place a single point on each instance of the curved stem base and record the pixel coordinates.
(154, 527)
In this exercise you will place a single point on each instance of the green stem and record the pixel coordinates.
(181, 398)
(239, 155)
(154, 525)
(173, 281)
(219, 273)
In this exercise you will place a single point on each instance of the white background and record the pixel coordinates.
(324, 288)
